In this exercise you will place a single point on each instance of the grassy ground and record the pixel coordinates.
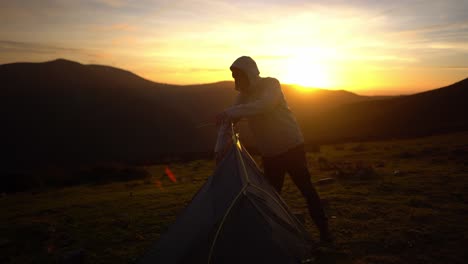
(408, 205)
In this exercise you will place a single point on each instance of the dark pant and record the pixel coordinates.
(294, 163)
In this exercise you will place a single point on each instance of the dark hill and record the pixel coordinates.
(437, 111)
(63, 112)
(66, 112)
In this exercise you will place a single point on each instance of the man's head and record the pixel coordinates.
(245, 73)
(240, 79)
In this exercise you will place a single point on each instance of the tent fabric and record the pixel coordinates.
(236, 217)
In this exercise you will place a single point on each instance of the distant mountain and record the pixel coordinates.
(437, 111)
(64, 112)
(307, 102)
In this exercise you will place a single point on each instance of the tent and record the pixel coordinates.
(236, 217)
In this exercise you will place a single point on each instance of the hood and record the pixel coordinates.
(249, 67)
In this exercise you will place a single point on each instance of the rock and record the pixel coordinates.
(325, 181)
(139, 237)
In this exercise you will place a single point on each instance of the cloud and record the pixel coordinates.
(189, 39)
(115, 27)
(21, 47)
(455, 67)
(381, 58)
(449, 46)
(112, 3)
(461, 25)
(271, 57)
(125, 41)
(452, 32)
(13, 51)
(206, 70)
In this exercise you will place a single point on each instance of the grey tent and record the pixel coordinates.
(236, 217)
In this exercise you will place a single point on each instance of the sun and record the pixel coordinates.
(307, 73)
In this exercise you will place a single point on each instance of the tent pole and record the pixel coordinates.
(223, 220)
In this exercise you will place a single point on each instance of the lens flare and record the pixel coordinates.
(170, 175)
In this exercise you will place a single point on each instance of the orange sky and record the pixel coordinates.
(396, 47)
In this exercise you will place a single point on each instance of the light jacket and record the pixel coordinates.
(272, 123)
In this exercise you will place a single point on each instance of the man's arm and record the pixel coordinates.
(240, 99)
(268, 100)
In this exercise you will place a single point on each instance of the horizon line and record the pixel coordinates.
(302, 87)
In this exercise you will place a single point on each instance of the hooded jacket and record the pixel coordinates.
(272, 123)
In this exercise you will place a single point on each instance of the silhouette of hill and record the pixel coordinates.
(63, 111)
(66, 113)
(437, 111)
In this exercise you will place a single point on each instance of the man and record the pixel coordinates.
(279, 139)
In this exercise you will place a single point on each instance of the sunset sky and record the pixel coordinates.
(368, 47)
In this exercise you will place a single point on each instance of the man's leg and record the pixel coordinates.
(297, 169)
(274, 171)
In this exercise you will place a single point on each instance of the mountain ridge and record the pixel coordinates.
(66, 112)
